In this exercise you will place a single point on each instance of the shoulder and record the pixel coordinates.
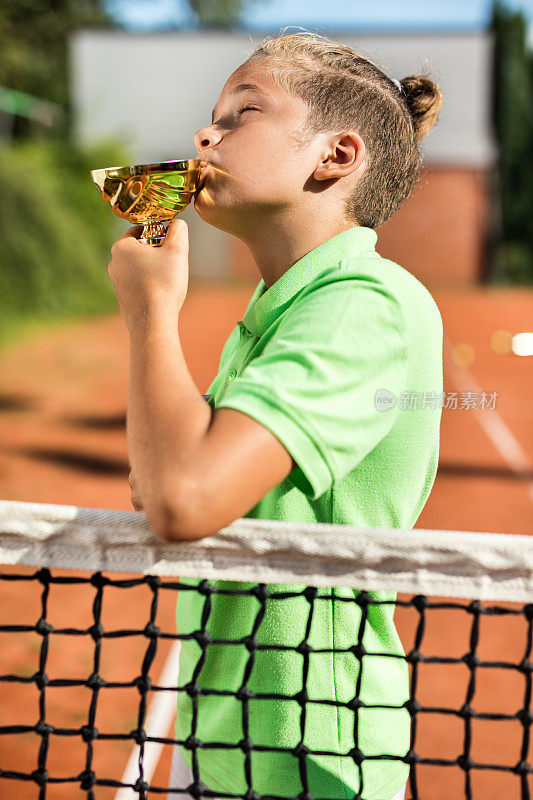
(403, 282)
(369, 289)
(371, 271)
(356, 285)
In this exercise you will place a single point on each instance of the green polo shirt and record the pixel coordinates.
(341, 358)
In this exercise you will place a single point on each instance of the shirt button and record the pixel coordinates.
(232, 374)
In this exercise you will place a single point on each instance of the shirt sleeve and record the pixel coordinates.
(227, 351)
(315, 383)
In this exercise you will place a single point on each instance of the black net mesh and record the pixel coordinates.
(88, 781)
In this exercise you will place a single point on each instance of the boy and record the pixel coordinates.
(307, 420)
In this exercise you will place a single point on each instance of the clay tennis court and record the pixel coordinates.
(62, 423)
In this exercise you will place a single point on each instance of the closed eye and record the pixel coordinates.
(240, 111)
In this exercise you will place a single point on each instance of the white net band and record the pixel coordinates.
(487, 566)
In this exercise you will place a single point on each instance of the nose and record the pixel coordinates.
(206, 137)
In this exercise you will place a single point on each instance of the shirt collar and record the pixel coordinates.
(267, 304)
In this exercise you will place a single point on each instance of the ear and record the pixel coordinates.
(347, 154)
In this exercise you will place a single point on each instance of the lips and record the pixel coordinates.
(202, 174)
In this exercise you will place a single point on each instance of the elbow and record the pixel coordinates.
(180, 520)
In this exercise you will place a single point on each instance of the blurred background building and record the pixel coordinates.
(441, 233)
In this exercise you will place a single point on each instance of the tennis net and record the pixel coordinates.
(462, 604)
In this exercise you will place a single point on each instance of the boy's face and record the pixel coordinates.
(258, 168)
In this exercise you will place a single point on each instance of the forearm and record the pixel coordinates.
(167, 417)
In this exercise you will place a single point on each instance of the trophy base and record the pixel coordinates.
(153, 233)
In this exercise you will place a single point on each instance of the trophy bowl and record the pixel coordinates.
(150, 194)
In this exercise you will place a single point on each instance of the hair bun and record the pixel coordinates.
(424, 100)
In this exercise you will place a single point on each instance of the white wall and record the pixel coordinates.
(155, 91)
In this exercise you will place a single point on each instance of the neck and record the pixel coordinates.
(278, 245)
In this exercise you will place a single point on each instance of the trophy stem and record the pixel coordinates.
(153, 233)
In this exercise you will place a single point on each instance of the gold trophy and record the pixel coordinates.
(150, 194)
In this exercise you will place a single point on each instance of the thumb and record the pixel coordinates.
(177, 234)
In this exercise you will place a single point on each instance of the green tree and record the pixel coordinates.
(218, 13)
(512, 122)
(34, 38)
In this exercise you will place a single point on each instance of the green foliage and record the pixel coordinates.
(56, 233)
(512, 122)
(34, 36)
(218, 13)
(512, 263)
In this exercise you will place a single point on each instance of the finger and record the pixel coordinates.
(132, 233)
(177, 234)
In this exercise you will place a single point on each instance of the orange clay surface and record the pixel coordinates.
(63, 396)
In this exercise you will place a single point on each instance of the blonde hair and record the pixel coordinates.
(345, 90)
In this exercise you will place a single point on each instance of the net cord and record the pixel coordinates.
(488, 566)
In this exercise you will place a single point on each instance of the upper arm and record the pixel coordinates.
(315, 384)
(237, 463)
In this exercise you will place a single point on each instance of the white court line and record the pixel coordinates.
(492, 423)
(161, 712)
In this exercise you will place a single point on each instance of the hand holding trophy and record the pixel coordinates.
(150, 194)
